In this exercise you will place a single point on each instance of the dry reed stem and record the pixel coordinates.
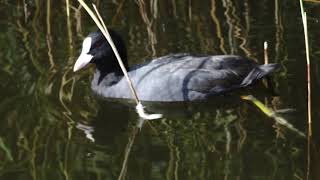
(305, 30)
(99, 22)
(68, 8)
(265, 50)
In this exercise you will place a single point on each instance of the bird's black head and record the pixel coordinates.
(97, 50)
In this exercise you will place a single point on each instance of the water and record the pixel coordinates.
(53, 127)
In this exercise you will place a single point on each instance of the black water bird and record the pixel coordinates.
(174, 77)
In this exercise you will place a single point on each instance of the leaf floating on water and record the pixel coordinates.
(272, 114)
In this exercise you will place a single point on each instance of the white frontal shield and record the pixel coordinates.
(84, 57)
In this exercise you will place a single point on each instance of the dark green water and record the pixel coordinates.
(53, 127)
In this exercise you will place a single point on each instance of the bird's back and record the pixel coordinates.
(182, 77)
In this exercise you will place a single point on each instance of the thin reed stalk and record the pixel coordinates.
(305, 30)
(68, 8)
(99, 22)
(265, 50)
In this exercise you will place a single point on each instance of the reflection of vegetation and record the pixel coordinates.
(42, 100)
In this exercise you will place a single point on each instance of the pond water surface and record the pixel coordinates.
(54, 127)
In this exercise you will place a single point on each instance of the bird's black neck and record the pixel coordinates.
(105, 59)
(108, 79)
(111, 67)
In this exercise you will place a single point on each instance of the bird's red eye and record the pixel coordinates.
(98, 43)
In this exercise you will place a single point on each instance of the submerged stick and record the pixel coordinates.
(272, 114)
(127, 153)
(99, 22)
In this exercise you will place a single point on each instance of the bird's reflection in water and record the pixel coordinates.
(119, 142)
(110, 122)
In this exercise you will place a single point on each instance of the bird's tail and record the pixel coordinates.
(258, 73)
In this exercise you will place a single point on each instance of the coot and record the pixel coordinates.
(174, 77)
